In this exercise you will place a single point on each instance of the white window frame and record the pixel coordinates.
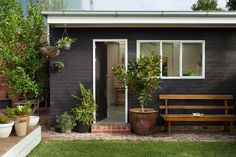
(181, 58)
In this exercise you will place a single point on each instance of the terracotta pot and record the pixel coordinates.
(82, 128)
(14, 98)
(143, 123)
(3, 94)
(50, 52)
(21, 125)
(21, 128)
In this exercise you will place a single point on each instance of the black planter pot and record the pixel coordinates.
(82, 128)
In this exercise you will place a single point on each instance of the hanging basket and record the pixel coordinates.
(58, 66)
(50, 52)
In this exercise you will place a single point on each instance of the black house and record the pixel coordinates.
(198, 51)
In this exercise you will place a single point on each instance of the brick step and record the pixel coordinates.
(110, 128)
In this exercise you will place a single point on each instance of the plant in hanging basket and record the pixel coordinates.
(65, 42)
(58, 65)
(50, 51)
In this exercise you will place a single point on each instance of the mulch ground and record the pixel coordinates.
(209, 137)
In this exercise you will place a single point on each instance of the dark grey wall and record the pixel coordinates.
(220, 61)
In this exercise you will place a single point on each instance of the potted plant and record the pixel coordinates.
(65, 123)
(3, 93)
(13, 96)
(50, 51)
(33, 121)
(20, 115)
(142, 79)
(84, 110)
(58, 65)
(65, 42)
(5, 126)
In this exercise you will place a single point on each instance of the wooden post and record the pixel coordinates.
(231, 127)
(226, 105)
(166, 103)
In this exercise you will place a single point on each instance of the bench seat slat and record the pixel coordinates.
(195, 97)
(180, 107)
(209, 117)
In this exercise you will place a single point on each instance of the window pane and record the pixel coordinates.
(192, 59)
(170, 59)
(148, 47)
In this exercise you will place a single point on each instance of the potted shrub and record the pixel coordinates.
(142, 79)
(65, 42)
(65, 123)
(33, 121)
(5, 126)
(84, 110)
(20, 115)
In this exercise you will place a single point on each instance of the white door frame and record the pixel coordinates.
(94, 70)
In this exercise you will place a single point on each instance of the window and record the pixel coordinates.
(170, 59)
(180, 59)
(148, 47)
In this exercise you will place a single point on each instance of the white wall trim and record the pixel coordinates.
(126, 66)
(180, 68)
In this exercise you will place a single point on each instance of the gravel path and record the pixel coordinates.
(51, 135)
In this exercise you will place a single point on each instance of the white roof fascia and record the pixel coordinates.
(141, 19)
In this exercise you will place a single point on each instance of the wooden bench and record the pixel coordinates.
(225, 117)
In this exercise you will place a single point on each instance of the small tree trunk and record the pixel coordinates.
(142, 108)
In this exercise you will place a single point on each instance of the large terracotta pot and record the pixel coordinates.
(3, 94)
(21, 125)
(14, 98)
(143, 123)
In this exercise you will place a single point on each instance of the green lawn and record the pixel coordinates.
(133, 149)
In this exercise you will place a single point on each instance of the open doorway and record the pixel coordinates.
(110, 95)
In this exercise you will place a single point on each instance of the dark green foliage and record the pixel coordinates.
(20, 55)
(64, 122)
(231, 4)
(133, 149)
(84, 110)
(205, 5)
(142, 76)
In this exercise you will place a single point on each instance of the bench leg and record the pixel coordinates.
(231, 125)
(166, 126)
(226, 126)
(169, 127)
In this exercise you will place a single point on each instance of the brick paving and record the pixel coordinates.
(210, 137)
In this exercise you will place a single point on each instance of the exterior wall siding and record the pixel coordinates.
(220, 57)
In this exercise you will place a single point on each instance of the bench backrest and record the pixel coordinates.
(167, 97)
